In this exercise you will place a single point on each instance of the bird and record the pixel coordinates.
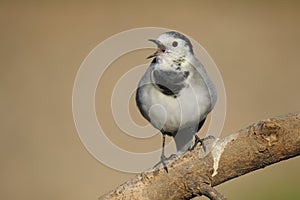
(175, 94)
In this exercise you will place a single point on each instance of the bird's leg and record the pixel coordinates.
(201, 141)
(197, 140)
(163, 157)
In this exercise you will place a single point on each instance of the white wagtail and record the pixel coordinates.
(175, 94)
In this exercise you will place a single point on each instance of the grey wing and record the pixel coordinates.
(169, 82)
(208, 82)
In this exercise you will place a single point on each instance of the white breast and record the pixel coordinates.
(169, 113)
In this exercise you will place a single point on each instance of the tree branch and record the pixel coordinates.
(257, 146)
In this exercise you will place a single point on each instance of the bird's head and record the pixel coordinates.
(172, 44)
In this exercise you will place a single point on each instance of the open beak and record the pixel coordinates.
(161, 48)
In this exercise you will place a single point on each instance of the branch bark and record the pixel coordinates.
(257, 146)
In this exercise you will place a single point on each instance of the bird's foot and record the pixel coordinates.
(165, 160)
(201, 141)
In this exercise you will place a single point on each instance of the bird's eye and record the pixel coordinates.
(174, 44)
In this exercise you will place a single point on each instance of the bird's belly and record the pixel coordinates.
(169, 113)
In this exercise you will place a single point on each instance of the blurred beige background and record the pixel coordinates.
(255, 44)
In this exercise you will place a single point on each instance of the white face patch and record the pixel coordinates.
(176, 46)
(218, 150)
